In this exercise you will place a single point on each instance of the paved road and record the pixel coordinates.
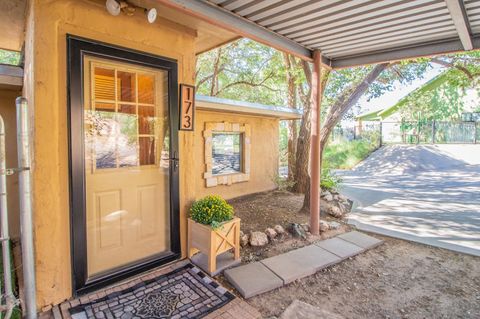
(426, 193)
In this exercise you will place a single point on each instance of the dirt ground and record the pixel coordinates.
(262, 210)
(398, 279)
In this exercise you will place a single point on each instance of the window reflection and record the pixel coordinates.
(126, 86)
(121, 131)
(226, 153)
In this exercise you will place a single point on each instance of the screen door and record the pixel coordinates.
(126, 125)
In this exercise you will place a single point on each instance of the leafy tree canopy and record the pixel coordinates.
(9, 57)
(249, 71)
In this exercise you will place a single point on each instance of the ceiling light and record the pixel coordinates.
(113, 7)
(151, 15)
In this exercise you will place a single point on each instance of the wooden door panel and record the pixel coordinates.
(108, 220)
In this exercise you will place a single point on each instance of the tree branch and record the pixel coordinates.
(453, 65)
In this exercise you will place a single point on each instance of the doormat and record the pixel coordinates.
(186, 292)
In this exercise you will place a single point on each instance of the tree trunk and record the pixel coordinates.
(348, 99)
(292, 125)
(216, 66)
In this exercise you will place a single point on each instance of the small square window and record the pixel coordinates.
(227, 153)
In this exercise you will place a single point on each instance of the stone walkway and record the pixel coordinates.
(271, 273)
(237, 308)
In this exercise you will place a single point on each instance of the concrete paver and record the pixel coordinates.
(268, 274)
(288, 268)
(360, 239)
(315, 257)
(224, 261)
(340, 247)
(253, 279)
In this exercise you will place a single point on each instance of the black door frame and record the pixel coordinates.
(77, 48)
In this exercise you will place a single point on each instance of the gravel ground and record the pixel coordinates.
(398, 279)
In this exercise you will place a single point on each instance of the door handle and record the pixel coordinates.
(175, 163)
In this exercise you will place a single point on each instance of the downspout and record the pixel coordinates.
(26, 218)
(10, 300)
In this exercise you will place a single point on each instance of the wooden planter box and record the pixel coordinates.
(213, 242)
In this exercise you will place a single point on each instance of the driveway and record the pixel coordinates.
(426, 193)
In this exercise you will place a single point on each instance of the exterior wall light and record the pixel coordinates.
(151, 15)
(114, 7)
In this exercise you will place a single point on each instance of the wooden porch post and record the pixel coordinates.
(315, 165)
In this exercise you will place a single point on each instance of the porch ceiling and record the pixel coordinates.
(349, 32)
(12, 20)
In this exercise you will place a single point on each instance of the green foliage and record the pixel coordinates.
(283, 183)
(329, 180)
(211, 210)
(347, 154)
(247, 71)
(9, 57)
(16, 313)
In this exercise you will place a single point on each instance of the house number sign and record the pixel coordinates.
(187, 107)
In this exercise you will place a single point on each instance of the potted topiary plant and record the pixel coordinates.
(213, 229)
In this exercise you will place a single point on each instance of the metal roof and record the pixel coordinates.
(351, 32)
(231, 106)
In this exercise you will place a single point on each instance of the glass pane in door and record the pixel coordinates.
(127, 177)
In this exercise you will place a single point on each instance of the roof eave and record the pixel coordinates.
(209, 103)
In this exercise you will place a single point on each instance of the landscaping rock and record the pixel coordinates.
(334, 225)
(335, 212)
(279, 229)
(343, 198)
(297, 230)
(323, 226)
(243, 239)
(328, 197)
(258, 239)
(271, 233)
(306, 227)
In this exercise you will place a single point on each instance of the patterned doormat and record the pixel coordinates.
(183, 293)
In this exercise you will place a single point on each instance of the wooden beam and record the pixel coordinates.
(315, 165)
(460, 19)
(423, 50)
(11, 77)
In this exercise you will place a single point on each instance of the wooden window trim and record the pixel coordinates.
(226, 179)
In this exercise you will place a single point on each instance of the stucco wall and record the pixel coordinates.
(7, 110)
(48, 23)
(263, 157)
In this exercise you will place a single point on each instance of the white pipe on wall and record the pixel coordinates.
(26, 218)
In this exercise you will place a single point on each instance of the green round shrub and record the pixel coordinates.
(211, 210)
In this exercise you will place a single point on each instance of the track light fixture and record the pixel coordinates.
(114, 7)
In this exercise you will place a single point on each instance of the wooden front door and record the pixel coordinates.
(130, 198)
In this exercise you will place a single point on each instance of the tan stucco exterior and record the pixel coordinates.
(45, 86)
(48, 24)
(264, 141)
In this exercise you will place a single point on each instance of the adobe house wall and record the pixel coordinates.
(264, 154)
(48, 23)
